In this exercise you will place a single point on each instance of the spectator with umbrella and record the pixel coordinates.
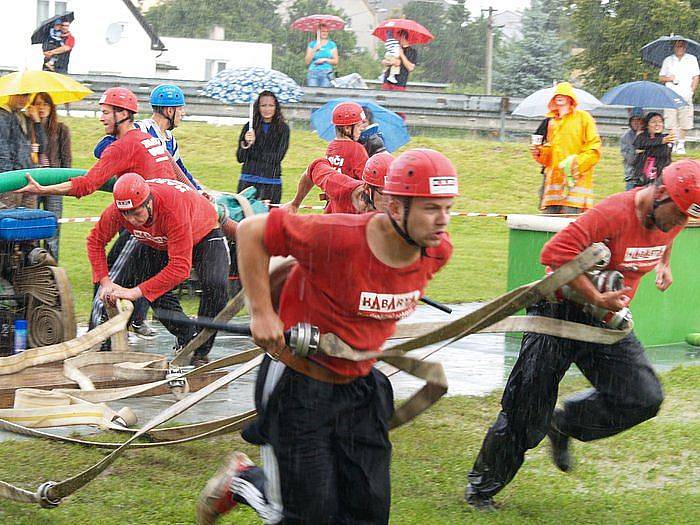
(653, 150)
(322, 53)
(261, 148)
(627, 149)
(408, 33)
(680, 72)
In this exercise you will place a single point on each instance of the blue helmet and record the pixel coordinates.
(168, 96)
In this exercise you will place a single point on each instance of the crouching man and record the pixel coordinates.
(176, 229)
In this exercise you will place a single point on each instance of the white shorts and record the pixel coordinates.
(681, 118)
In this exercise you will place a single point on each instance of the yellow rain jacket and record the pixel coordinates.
(573, 134)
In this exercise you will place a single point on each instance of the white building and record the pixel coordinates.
(112, 37)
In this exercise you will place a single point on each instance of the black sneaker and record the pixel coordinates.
(559, 447)
(478, 501)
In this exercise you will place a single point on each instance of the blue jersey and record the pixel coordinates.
(166, 137)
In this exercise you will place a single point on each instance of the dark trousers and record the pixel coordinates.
(625, 392)
(210, 259)
(332, 447)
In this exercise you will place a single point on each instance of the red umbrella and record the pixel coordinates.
(417, 34)
(311, 22)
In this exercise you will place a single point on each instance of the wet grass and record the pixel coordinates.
(647, 475)
(494, 177)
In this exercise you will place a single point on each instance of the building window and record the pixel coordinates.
(42, 11)
(212, 67)
(61, 8)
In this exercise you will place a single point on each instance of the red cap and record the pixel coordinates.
(682, 181)
(347, 114)
(422, 173)
(376, 169)
(120, 97)
(130, 191)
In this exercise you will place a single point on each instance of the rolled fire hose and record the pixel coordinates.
(50, 494)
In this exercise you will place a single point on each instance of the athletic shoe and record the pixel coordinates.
(559, 447)
(679, 149)
(199, 360)
(478, 501)
(238, 480)
(143, 329)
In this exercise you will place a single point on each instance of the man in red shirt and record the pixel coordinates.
(134, 151)
(345, 194)
(638, 227)
(356, 276)
(344, 153)
(176, 229)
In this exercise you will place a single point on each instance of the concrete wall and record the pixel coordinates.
(200, 59)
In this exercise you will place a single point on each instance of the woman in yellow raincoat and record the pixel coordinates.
(570, 151)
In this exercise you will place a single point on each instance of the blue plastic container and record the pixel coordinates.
(23, 224)
(20, 335)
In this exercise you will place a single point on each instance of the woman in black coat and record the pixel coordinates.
(262, 149)
(653, 150)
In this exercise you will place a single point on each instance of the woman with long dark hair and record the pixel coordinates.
(262, 149)
(57, 154)
(653, 150)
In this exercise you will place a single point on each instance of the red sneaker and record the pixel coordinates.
(216, 498)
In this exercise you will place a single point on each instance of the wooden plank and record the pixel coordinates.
(47, 377)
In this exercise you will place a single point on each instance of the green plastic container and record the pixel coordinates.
(660, 318)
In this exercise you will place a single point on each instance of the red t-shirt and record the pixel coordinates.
(340, 286)
(136, 152)
(69, 41)
(635, 250)
(348, 157)
(181, 219)
(337, 187)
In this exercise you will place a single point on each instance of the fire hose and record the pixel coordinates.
(49, 494)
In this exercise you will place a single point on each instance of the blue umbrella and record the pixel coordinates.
(242, 85)
(655, 52)
(391, 126)
(644, 94)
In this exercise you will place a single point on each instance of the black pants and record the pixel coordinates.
(332, 447)
(625, 392)
(271, 192)
(210, 260)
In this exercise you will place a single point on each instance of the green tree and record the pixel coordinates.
(537, 59)
(457, 55)
(612, 34)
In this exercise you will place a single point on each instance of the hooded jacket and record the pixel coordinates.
(573, 134)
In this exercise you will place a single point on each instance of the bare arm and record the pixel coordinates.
(55, 189)
(253, 263)
(694, 83)
(334, 59)
(410, 66)
(310, 51)
(303, 189)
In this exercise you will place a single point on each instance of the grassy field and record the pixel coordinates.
(494, 177)
(647, 475)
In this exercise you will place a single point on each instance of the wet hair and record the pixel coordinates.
(277, 118)
(402, 32)
(368, 114)
(52, 119)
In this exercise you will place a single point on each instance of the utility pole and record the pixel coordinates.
(489, 49)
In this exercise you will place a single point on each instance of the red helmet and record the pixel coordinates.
(682, 181)
(376, 167)
(120, 97)
(130, 191)
(422, 173)
(347, 114)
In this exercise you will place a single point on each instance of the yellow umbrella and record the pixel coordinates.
(62, 88)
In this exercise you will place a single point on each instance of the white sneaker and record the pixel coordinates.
(679, 149)
(143, 330)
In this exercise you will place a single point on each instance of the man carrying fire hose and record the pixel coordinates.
(638, 226)
(176, 229)
(323, 420)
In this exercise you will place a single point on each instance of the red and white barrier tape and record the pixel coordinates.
(68, 220)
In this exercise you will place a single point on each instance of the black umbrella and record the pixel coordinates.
(41, 33)
(655, 52)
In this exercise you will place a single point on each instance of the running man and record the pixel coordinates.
(638, 226)
(325, 423)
